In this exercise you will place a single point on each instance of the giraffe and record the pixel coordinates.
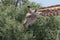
(31, 16)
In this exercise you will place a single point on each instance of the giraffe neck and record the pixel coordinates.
(49, 7)
(50, 10)
(55, 12)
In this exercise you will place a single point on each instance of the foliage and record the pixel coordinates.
(45, 28)
(11, 28)
(11, 18)
(8, 2)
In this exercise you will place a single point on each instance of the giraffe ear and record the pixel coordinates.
(35, 10)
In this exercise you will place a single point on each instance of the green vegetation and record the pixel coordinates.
(12, 15)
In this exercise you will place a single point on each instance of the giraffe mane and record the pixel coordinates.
(49, 7)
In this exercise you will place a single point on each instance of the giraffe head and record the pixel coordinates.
(35, 11)
(31, 16)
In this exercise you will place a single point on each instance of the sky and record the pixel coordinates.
(46, 2)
